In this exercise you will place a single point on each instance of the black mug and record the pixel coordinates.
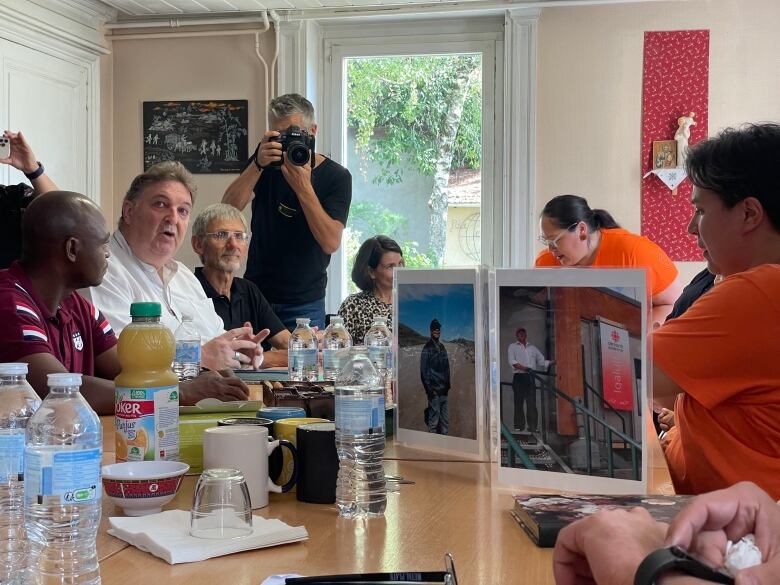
(275, 458)
(318, 463)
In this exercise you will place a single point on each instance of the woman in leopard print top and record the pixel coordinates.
(373, 274)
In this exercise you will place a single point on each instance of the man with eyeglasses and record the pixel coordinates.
(220, 239)
(299, 211)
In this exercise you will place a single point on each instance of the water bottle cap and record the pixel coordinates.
(336, 321)
(302, 321)
(145, 310)
(62, 380)
(13, 369)
(381, 318)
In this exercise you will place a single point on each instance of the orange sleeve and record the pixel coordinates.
(545, 258)
(662, 270)
(727, 344)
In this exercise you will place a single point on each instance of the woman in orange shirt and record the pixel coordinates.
(576, 235)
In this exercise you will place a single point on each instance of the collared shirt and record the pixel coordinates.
(528, 356)
(129, 280)
(75, 334)
(246, 303)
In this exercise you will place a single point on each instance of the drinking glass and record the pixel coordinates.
(221, 507)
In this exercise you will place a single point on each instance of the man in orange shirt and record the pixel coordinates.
(721, 355)
(576, 235)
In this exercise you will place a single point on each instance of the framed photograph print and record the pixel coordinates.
(570, 379)
(438, 329)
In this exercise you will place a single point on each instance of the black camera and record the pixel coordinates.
(298, 144)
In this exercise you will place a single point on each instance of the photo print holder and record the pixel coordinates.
(576, 420)
(438, 330)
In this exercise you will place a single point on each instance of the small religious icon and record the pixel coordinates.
(664, 154)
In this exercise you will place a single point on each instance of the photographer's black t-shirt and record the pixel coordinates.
(285, 261)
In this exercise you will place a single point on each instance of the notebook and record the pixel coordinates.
(542, 516)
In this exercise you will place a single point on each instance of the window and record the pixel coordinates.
(413, 120)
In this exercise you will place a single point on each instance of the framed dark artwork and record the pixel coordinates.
(205, 136)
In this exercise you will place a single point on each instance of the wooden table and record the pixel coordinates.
(451, 508)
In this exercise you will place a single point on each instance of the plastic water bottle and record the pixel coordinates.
(336, 342)
(62, 487)
(302, 352)
(361, 489)
(186, 364)
(379, 341)
(18, 401)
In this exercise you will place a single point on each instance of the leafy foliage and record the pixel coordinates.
(397, 106)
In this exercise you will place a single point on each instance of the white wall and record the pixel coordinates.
(590, 84)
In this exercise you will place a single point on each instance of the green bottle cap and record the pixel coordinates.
(145, 310)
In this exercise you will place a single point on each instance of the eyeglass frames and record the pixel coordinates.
(553, 242)
(224, 235)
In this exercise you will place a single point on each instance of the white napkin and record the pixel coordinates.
(167, 535)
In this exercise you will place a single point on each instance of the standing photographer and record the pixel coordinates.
(299, 211)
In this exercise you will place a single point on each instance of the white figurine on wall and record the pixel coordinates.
(682, 135)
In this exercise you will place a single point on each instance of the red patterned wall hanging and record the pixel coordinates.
(675, 81)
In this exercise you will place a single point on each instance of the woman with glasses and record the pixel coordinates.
(373, 274)
(576, 235)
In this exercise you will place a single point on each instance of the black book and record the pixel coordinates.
(542, 516)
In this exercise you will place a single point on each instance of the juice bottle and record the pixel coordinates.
(147, 391)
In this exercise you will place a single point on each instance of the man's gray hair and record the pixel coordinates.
(169, 170)
(216, 211)
(290, 104)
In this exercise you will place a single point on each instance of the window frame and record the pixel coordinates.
(483, 36)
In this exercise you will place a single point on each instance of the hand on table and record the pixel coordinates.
(586, 550)
(223, 385)
(704, 526)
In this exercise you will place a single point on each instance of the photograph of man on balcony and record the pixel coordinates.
(568, 388)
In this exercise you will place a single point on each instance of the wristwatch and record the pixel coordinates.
(675, 558)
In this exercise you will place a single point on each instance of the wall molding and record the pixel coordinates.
(520, 87)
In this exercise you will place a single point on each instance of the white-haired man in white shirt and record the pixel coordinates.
(524, 357)
(155, 215)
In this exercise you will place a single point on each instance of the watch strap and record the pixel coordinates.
(36, 173)
(675, 558)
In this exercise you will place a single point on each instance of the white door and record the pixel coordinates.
(46, 98)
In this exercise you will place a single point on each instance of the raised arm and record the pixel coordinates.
(23, 158)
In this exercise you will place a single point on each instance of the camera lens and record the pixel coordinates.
(298, 154)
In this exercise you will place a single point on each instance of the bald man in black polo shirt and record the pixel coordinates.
(220, 238)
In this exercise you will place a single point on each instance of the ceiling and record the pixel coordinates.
(130, 9)
(151, 8)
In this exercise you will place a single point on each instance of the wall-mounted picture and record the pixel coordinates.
(438, 330)
(571, 355)
(205, 136)
(664, 154)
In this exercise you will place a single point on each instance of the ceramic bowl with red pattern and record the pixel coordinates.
(143, 487)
